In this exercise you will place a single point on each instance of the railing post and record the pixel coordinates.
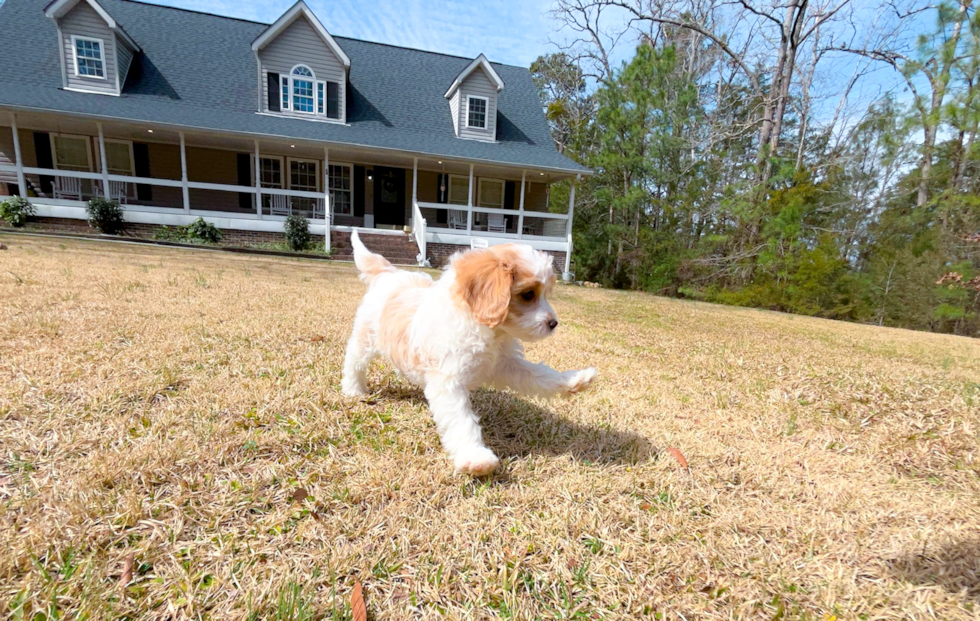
(520, 216)
(469, 204)
(183, 174)
(258, 182)
(567, 274)
(105, 169)
(21, 179)
(327, 207)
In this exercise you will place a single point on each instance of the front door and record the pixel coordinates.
(389, 196)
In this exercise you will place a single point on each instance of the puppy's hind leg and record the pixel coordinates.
(360, 353)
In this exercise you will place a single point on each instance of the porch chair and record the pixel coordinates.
(119, 191)
(279, 205)
(68, 187)
(457, 219)
(496, 223)
(318, 210)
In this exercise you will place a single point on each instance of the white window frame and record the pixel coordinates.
(288, 172)
(449, 194)
(503, 192)
(74, 54)
(349, 167)
(282, 168)
(486, 112)
(320, 105)
(54, 148)
(291, 86)
(132, 155)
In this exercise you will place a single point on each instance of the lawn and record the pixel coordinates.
(168, 409)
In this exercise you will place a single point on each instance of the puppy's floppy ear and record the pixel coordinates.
(483, 280)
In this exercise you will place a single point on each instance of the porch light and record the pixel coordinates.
(440, 162)
(150, 131)
(292, 146)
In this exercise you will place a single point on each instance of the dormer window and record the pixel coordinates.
(303, 82)
(473, 101)
(302, 70)
(89, 59)
(476, 115)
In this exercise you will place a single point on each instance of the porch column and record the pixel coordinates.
(415, 185)
(183, 173)
(469, 204)
(520, 216)
(105, 169)
(568, 230)
(327, 207)
(21, 180)
(258, 182)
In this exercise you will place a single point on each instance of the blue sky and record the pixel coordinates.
(511, 32)
(508, 31)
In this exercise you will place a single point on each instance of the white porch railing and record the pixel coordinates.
(523, 230)
(72, 204)
(418, 229)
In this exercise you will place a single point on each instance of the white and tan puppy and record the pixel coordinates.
(458, 333)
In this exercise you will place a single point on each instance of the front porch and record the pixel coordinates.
(169, 177)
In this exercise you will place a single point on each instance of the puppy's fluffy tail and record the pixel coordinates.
(369, 263)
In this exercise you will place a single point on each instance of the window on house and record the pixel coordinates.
(459, 190)
(71, 152)
(491, 193)
(476, 112)
(302, 175)
(303, 89)
(119, 157)
(284, 87)
(270, 172)
(341, 189)
(319, 97)
(89, 59)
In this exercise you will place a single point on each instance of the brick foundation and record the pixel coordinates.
(439, 254)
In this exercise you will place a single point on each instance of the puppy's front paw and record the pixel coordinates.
(580, 380)
(352, 389)
(478, 461)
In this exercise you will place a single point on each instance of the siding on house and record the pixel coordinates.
(454, 110)
(125, 58)
(83, 21)
(479, 84)
(299, 44)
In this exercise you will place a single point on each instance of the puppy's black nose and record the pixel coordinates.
(552, 323)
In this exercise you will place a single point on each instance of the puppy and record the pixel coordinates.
(458, 333)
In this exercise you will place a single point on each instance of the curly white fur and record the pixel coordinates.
(458, 333)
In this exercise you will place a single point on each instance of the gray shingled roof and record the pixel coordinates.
(198, 71)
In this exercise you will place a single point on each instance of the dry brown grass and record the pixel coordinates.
(168, 404)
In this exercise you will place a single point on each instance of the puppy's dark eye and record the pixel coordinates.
(528, 296)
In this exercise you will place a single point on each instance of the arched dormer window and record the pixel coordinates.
(300, 91)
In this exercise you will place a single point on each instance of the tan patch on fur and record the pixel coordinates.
(396, 318)
(485, 279)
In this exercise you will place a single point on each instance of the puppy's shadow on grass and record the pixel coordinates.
(516, 427)
(955, 566)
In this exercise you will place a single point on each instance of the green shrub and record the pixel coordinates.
(105, 215)
(298, 232)
(16, 210)
(204, 231)
(171, 233)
